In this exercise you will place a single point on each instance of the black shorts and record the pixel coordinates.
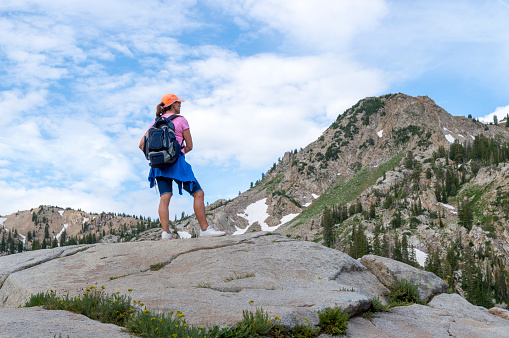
(165, 186)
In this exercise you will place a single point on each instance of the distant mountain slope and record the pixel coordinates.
(48, 226)
(399, 177)
(368, 140)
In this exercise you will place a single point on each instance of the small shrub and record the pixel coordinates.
(253, 325)
(304, 331)
(404, 293)
(333, 321)
(377, 306)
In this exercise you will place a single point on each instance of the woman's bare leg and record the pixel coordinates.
(164, 212)
(199, 209)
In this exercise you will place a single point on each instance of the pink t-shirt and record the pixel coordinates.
(180, 124)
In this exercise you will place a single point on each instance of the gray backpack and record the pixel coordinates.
(161, 146)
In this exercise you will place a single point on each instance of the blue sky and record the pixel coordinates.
(80, 80)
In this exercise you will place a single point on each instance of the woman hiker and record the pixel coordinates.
(181, 172)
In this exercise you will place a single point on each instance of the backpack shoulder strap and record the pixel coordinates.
(174, 116)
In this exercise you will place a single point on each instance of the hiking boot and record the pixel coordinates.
(165, 235)
(212, 232)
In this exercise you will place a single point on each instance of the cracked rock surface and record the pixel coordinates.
(37, 322)
(210, 280)
(445, 316)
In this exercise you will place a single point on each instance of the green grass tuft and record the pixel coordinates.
(404, 293)
(333, 321)
(121, 310)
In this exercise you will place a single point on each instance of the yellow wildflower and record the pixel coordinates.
(92, 287)
(116, 300)
(145, 311)
(129, 290)
(102, 287)
(251, 301)
(117, 292)
(277, 318)
(152, 319)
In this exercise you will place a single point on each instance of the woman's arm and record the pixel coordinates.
(142, 142)
(189, 141)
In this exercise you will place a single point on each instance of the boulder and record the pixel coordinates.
(37, 322)
(211, 280)
(446, 315)
(389, 271)
(25, 260)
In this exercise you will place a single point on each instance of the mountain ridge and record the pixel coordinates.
(394, 175)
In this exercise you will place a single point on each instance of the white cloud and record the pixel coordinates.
(501, 113)
(314, 26)
(264, 105)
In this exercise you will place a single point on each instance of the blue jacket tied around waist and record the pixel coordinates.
(181, 171)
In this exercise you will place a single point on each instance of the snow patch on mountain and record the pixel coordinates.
(420, 257)
(257, 212)
(61, 231)
(450, 138)
(288, 218)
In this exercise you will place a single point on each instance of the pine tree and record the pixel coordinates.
(377, 246)
(404, 249)
(359, 246)
(386, 248)
(465, 214)
(36, 245)
(327, 224)
(412, 259)
(372, 211)
(62, 238)
(396, 221)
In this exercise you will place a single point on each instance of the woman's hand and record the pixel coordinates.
(188, 140)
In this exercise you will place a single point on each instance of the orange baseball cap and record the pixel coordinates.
(169, 99)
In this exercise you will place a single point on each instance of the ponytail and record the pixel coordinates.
(159, 110)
